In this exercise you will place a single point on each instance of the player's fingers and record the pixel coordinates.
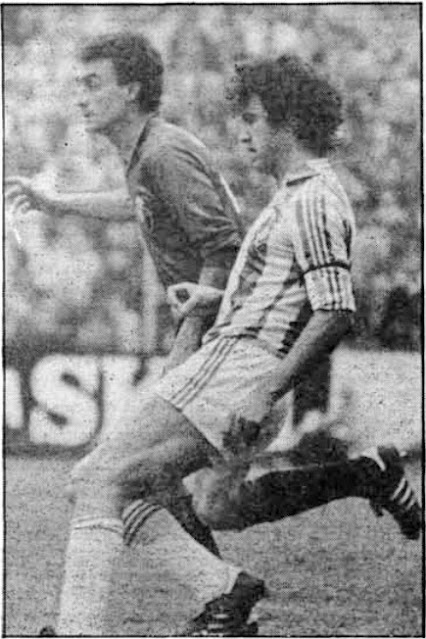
(18, 182)
(16, 198)
(18, 205)
(187, 307)
(178, 294)
(11, 192)
(172, 294)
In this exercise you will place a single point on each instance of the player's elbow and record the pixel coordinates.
(343, 321)
(333, 325)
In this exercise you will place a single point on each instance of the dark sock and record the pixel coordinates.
(285, 493)
(183, 510)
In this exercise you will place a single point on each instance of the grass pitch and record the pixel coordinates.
(335, 571)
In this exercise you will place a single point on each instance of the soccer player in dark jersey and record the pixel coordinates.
(186, 212)
(288, 301)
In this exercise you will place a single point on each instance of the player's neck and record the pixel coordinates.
(126, 132)
(293, 162)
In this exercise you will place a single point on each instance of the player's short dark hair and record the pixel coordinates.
(134, 60)
(293, 95)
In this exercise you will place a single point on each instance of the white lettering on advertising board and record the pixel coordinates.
(72, 394)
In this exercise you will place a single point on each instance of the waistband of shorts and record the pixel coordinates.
(249, 339)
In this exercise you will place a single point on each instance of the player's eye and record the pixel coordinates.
(93, 83)
(249, 118)
(90, 82)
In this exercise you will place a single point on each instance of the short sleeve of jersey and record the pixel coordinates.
(180, 179)
(322, 241)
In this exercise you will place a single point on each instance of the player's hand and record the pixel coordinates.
(187, 341)
(187, 298)
(18, 208)
(241, 436)
(259, 404)
(252, 422)
(16, 203)
(17, 188)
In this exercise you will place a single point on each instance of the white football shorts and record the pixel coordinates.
(215, 383)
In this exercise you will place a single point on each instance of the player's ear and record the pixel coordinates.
(133, 90)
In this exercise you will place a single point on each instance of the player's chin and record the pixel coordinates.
(259, 165)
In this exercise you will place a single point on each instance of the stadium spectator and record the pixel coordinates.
(287, 302)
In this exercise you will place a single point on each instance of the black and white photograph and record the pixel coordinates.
(213, 317)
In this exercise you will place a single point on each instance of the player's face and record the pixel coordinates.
(103, 102)
(256, 135)
(267, 147)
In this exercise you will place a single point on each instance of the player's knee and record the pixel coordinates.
(213, 515)
(70, 491)
(106, 476)
(92, 475)
(215, 500)
(220, 514)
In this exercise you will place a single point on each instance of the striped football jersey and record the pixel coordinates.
(295, 259)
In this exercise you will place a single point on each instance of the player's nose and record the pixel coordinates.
(82, 102)
(81, 98)
(245, 136)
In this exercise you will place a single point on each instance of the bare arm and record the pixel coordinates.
(321, 335)
(106, 205)
(112, 205)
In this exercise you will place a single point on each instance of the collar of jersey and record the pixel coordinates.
(310, 168)
(136, 153)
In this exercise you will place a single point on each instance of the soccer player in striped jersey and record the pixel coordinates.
(288, 301)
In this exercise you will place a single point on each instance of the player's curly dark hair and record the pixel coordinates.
(292, 94)
(134, 60)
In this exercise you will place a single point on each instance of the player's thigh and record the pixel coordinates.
(150, 450)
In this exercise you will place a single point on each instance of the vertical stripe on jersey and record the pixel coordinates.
(315, 210)
(291, 276)
(329, 256)
(306, 230)
(245, 284)
(338, 293)
(305, 234)
(344, 249)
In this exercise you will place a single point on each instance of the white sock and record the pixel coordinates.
(95, 544)
(172, 547)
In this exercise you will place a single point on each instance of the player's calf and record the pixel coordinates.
(231, 502)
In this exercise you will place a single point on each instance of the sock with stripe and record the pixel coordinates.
(182, 510)
(151, 528)
(94, 546)
(286, 493)
(403, 496)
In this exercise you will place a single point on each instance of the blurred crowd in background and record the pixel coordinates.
(88, 285)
